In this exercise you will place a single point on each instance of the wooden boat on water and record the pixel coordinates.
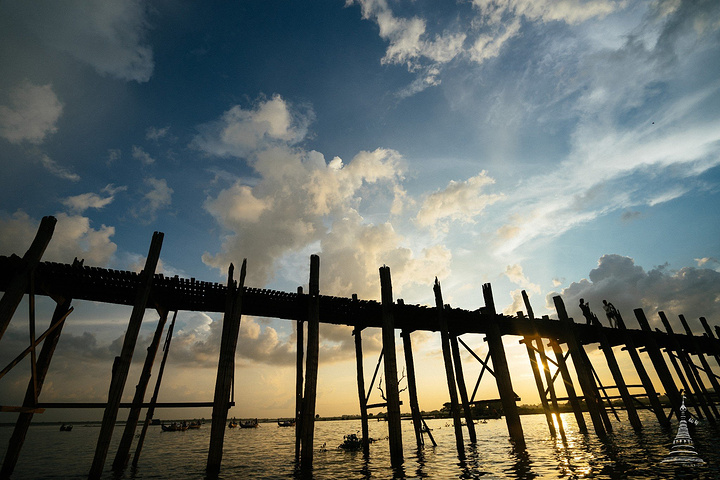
(232, 424)
(66, 427)
(194, 425)
(286, 423)
(249, 423)
(174, 427)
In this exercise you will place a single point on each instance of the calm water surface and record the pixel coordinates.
(268, 452)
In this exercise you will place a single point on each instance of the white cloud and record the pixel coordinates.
(239, 131)
(57, 170)
(139, 154)
(158, 197)
(109, 36)
(459, 201)
(73, 237)
(80, 203)
(32, 115)
(153, 133)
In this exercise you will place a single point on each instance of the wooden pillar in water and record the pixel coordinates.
(62, 310)
(123, 452)
(582, 368)
(652, 395)
(226, 368)
(449, 371)
(299, 380)
(153, 400)
(716, 344)
(357, 332)
(462, 388)
(391, 380)
(18, 285)
(569, 387)
(540, 348)
(700, 394)
(121, 365)
(528, 341)
(617, 373)
(502, 371)
(703, 360)
(658, 362)
(412, 385)
(412, 388)
(311, 368)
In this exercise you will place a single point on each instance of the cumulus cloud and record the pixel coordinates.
(108, 36)
(139, 154)
(32, 113)
(690, 291)
(158, 197)
(300, 203)
(154, 133)
(73, 237)
(459, 201)
(59, 171)
(240, 131)
(80, 203)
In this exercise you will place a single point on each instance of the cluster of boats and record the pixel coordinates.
(180, 426)
(252, 423)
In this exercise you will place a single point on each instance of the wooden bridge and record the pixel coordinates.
(564, 338)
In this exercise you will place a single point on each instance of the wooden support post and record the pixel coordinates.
(62, 310)
(650, 391)
(540, 348)
(528, 341)
(502, 370)
(617, 373)
(311, 368)
(123, 453)
(412, 388)
(299, 381)
(17, 286)
(449, 371)
(698, 388)
(391, 379)
(706, 366)
(661, 367)
(153, 400)
(582, 368)
(121, 366)
(711, 336)
(357, 332)
(569, 387)
(226, 368)
(462, 388)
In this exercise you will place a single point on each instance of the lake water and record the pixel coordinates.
(268, 452)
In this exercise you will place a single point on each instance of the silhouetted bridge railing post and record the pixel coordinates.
(67, 282)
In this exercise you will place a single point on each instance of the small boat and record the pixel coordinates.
(286, 423)
(351, 442)
(232, 424)
(174, 427)
(65, 427)
(194, 425)
(249, 423)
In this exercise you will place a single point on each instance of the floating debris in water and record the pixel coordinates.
(683, 452)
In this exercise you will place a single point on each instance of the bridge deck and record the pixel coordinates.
(183, 294)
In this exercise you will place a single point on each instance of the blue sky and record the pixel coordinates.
(557, 147)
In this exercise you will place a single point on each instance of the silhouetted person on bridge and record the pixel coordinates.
(611, 313)
(585, 307)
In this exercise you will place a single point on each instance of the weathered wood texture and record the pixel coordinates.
(226, 368)
(121, 366)
(392, 390)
